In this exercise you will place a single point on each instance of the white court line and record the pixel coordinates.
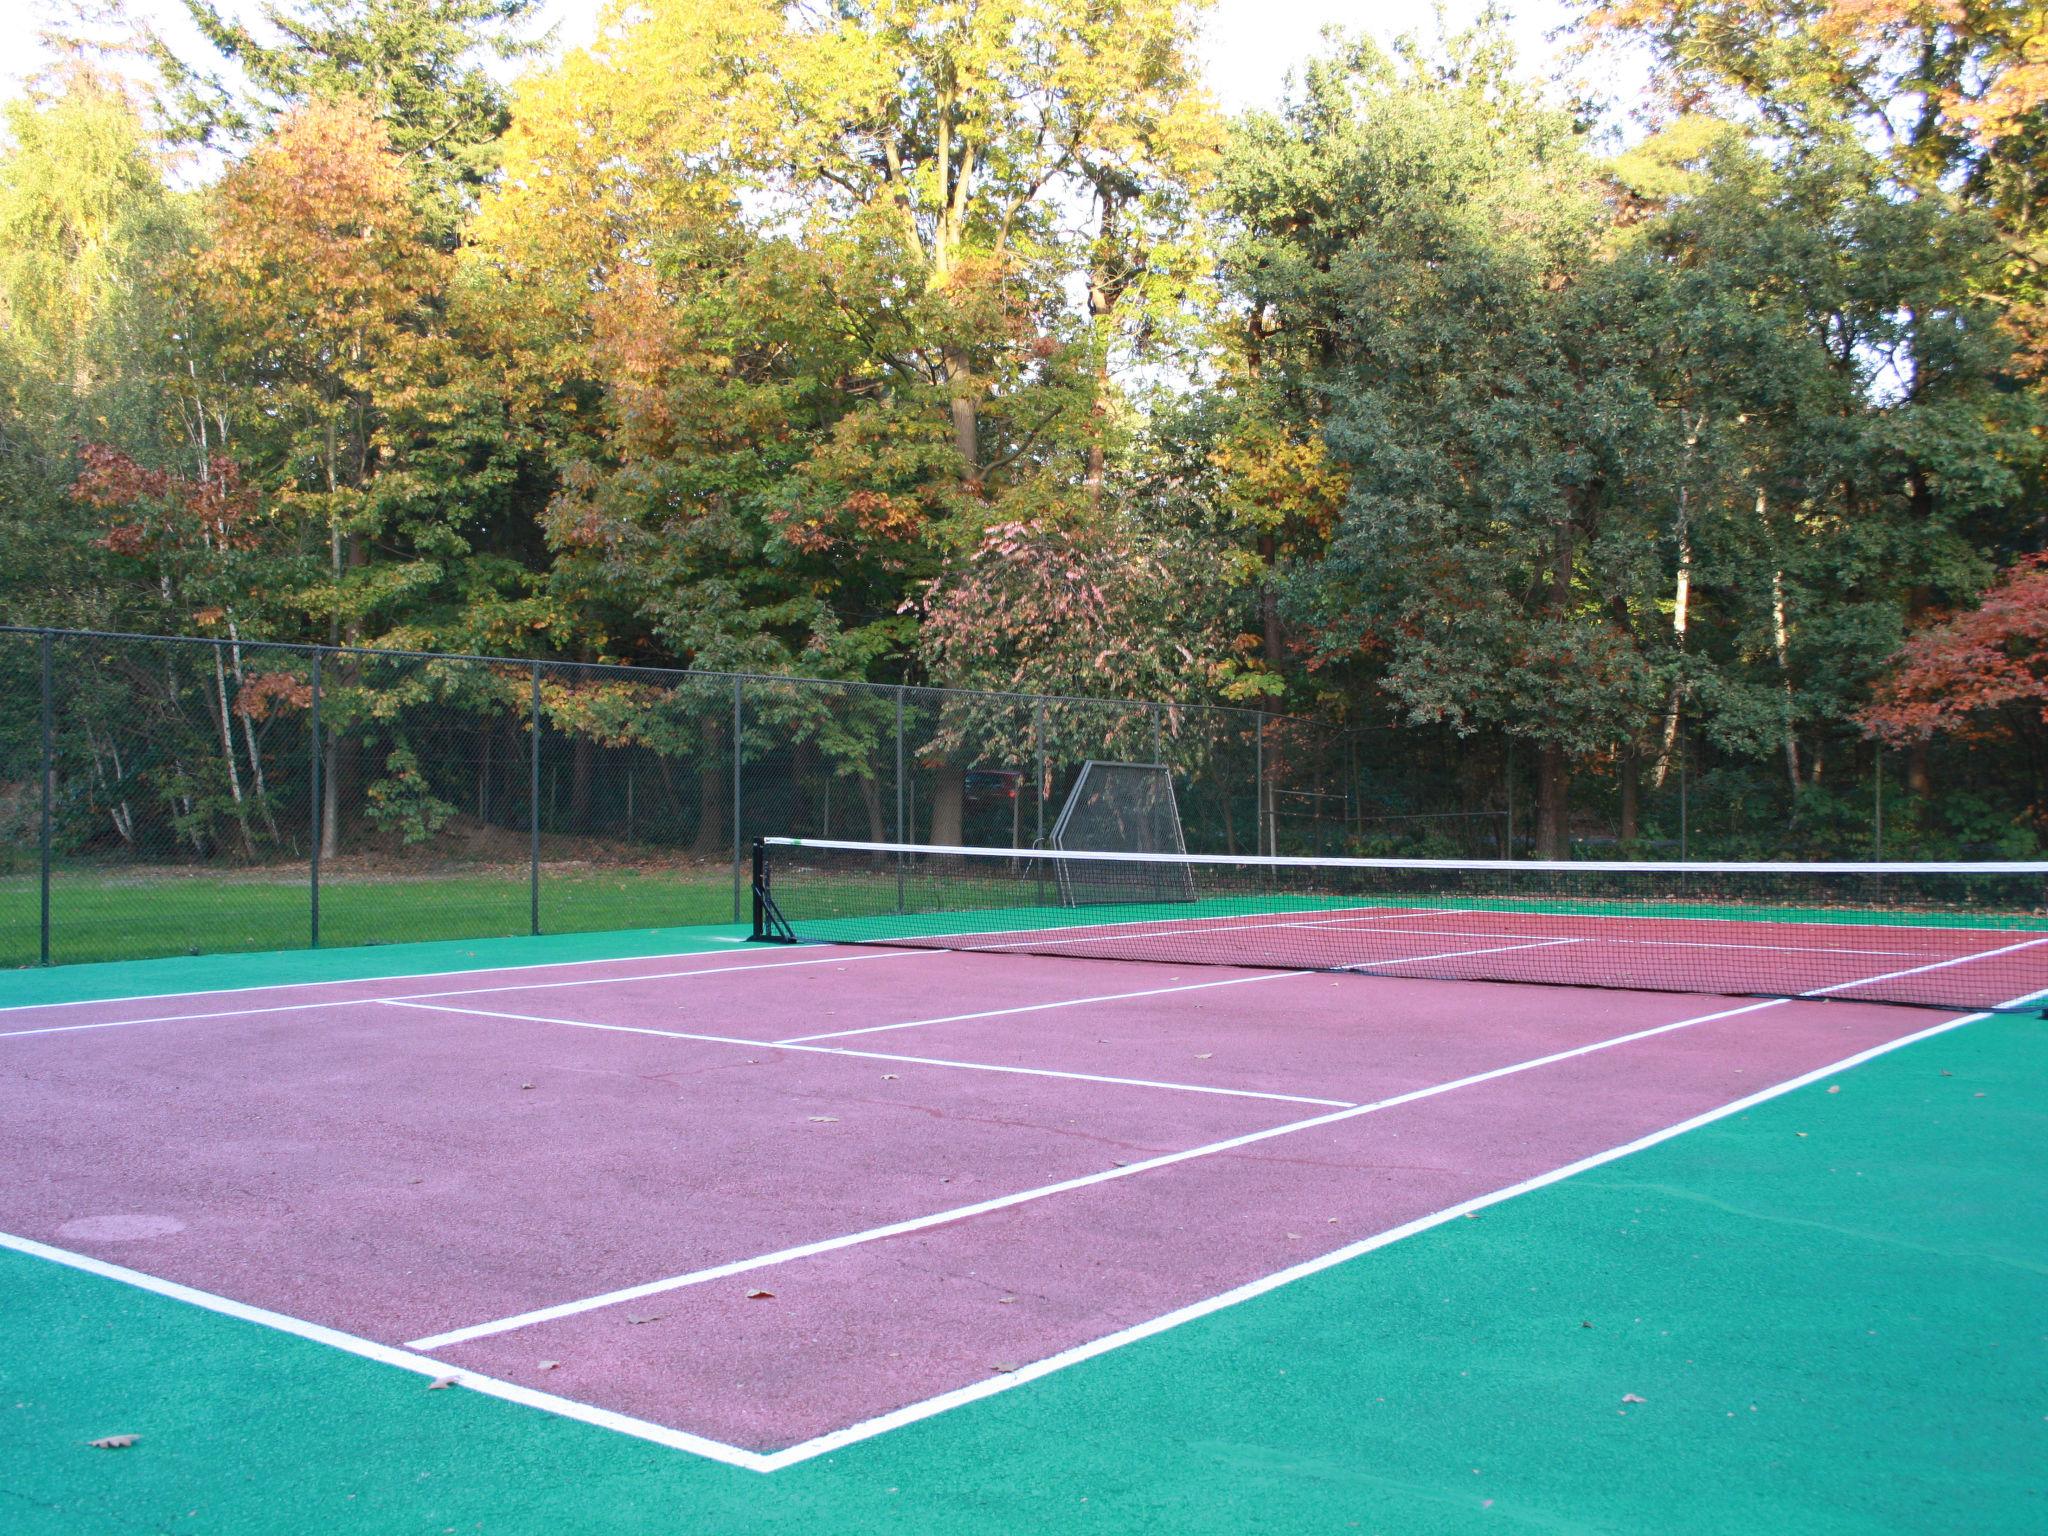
(959, 1397)
(1001, 1202)
(921, 1061)
(1020, 1197)
(1455, 954)
(1071, 1002)
(385, 1354)
(930, 1407)
(1602, 938)
(526, 986)
(357, 981)
(1939, 965)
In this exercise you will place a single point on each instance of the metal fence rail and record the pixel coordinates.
(170, 795)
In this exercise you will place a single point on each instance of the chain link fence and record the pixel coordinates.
(163, 796)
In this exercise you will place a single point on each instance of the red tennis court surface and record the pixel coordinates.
(953, 1171)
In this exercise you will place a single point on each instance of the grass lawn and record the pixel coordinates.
(97, 915)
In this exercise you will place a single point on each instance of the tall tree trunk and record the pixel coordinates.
(871, 802)
(1269, 603)
(1553, 819)
(581, 763)
(1627, 766)
(1681, 605)
(949, 794)
(711, 794)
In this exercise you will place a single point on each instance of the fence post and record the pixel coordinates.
(737, 761)
(1877, 810)
(313, 860)
(1158, 742)
(900, 838)
(533, 814)
(49, 789)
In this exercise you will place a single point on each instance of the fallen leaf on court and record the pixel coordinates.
(442, 1381)
(645, 1317)
(1294, 1236)
(1004, 1301)
(760, 1295)
(1203, 1055)
(824, 1119)
(1002, 1370)
(1119, 1165)
(1630, 1397)
(1585, 1325)
(888, 1077)
(1947, 1073)
(549, 1365)
(525, 1086)
(1799, 1133)
(112, 1442)
(1834, 1088)
(1471, 1215)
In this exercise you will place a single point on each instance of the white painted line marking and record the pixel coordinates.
(914, 1412)
(959, 1397)
(385, 1354)
(1072, 1002)
(371, 981)
(1044, 1191)
(921, 1061)
(1457, 954)
(527, 986)
(1939, 965)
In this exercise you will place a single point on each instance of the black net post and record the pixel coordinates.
(49, 776)
(533, 815)
(313, 814)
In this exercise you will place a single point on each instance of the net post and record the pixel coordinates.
(533, 815)
(49, 776)
(313, 861)
(770, 927)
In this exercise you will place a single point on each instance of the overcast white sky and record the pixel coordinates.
(1252, 44)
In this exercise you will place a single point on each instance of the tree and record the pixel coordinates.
(1981, 675)
(1485, 386)
(421, 64)
(1952, 91)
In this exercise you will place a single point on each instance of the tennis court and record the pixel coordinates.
(762, 1204)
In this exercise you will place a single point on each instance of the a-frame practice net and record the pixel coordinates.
(1121, 808)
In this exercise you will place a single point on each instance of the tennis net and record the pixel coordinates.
(1961, 936)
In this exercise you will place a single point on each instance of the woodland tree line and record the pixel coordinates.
(967, 343)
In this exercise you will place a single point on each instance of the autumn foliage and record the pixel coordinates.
(1981, 674)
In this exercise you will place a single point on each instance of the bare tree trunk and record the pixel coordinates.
(1781, 643)
(224, 719)
(949, 793)
(256, 779)
(871, 802)
(711, 793)
(581, 763)
(1681, 602)
(1553, 818)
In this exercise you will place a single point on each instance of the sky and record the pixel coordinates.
(1251, 44)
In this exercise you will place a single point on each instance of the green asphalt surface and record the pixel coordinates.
(1833, 1307)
